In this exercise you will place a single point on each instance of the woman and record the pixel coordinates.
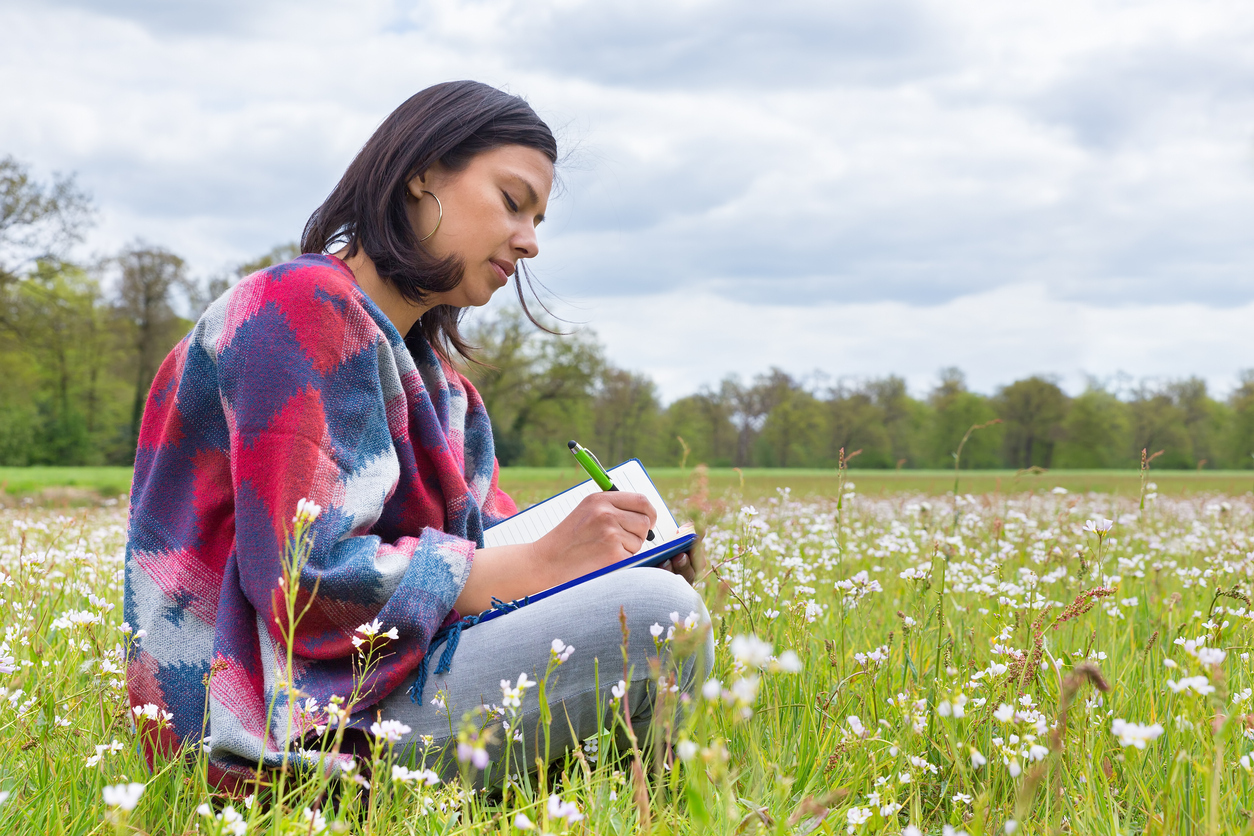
(330, 378)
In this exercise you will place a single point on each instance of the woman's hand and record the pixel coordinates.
(681, 565)
(604, 528)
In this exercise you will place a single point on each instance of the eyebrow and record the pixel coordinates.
(531, 194)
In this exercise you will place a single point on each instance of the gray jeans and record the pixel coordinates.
(579, 690)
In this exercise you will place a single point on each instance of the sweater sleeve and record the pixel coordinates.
(300, 379)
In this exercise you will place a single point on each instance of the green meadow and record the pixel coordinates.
(898, 662)
(85, 485)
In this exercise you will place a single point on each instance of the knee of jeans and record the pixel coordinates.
(655, 595)
(655, 598)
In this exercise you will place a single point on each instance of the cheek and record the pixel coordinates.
(477, 230)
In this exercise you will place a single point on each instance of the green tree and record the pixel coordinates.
(905, 420)
(1097, 432)
(856, 422)
(37, 220)
(795, 430)
(148, 276)
(1159, 423)
(58, 339)
(704, 422)
(1033, 411)
(1205, 420)
(750, 405)
(627, 418)
(956, 410)
(1240, 436)
(538, 388)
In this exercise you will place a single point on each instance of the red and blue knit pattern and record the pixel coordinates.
(295, 385)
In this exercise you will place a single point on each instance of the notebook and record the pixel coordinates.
(669, 538)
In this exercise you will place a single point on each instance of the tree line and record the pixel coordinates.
(81, 342)
(541, 390)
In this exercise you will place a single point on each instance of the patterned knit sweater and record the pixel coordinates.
(293, 385)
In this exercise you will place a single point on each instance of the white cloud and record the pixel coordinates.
(684, 340)
(794, 155)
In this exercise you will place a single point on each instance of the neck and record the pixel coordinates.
(400, 311)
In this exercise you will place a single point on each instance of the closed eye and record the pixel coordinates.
(510, 202)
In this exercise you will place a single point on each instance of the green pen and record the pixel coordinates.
(594, 469)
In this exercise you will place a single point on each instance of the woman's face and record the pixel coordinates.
(491, 210)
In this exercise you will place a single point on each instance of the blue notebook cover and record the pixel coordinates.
(655, 556)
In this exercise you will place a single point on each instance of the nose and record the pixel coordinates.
(525, 242)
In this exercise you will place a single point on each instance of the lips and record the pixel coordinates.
(503, 270)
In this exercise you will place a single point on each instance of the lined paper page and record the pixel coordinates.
(535, 522)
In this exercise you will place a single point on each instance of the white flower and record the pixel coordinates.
(1135, 734)
(561, 650)
(1059, 491)
(750, 651)
(393, 731)
(152, 712)
(745, 689)
(523, 823)
(374, 628)
(233, 822)
(1200, 684)
(512, 696)
(619, 690)
(567, 810)
(124, 796)
(1100, 526)
(977, 760)
(1211, 655)
(712, 689)
(317, 821)
(855, 725)
(656, 630)
(686, 749)
(1004, 713)
(856, 816)
(788, 662)
(406, 775)
(307, 511)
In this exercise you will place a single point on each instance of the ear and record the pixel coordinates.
(416, 185)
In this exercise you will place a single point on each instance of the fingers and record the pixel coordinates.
(632, 502)
(631, 513)
(681, 565)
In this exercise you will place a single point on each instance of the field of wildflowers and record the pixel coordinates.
(1005, 663)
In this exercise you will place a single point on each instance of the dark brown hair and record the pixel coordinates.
(449, 123)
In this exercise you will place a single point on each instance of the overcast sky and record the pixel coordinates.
(864, 188)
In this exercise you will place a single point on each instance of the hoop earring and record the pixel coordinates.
(438, 220)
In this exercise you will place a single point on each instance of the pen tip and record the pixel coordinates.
(572, 444)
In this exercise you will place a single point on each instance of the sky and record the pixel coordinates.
(842, 189)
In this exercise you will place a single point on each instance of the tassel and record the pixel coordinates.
(450, 647)
(449, 637)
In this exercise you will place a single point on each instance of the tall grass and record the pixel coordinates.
(883, 670)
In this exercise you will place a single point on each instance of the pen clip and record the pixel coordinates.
(598, 461)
